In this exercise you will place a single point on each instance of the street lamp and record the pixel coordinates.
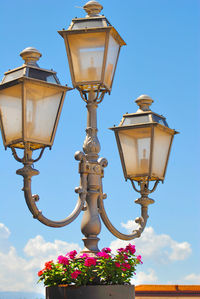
(31, 100)
(144, 142)
(27, 93)
(93, 46)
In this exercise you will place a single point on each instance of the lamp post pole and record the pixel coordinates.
(91, 225)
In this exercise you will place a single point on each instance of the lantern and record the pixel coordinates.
(31, 100)
(93, 47)
(144, 141)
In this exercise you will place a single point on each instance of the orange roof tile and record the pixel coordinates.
(167, 288)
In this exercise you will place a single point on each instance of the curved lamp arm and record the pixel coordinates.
(31, 203)
(144, 187)
(28, 171)
(135, 234)
(144, 201)
(155, 186)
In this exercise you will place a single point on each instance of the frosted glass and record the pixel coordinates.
(129, 149)
(113, 50)
(161, 145)
(135, 145)
(11, 112)
(42, 105)
(87, 51)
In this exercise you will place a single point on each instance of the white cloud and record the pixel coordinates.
(160, 248)
(4, 231)
(20, 274)
(14, 275)
(39, 247)
(130, 225)
(145, 278)
(180, 251)
(41, 251)
(193, 278)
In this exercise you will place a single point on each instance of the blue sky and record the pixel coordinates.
(161, 59)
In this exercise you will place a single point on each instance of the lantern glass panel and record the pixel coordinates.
(136, 145)
(113, 50)
(87, 52)
(42, 104)
(88, 24)
(41, 75)
(161, 146)
(159, 120)
(140, 119)
(13, 75)
(11, 112)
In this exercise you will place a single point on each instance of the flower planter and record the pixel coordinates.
(104, 276)
(91, 292)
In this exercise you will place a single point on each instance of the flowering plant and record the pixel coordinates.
(106, 268)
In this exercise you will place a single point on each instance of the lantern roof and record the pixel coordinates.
(92, 21)
(30, 69)
(143, 116)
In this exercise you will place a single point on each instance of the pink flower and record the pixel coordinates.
(103, 255)
(75, 274)
(63, 260)
(125, 256)
(106, 249)
(139, 259)
(123, 269)
(117, 265)
(121, 250)
(124, 265)
(127, 266)
(130, 248)
(72, 254)
(89, 261)
(84, 255)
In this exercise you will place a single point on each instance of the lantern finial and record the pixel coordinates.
(93, 8)
(144, 101)
(30, 55)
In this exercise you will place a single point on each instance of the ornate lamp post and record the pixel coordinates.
(144, 139)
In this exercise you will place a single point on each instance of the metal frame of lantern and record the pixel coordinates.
(24, 78)
(91, 167)
(95, 85)
(137, 121)
(35, 144)
(149, 174)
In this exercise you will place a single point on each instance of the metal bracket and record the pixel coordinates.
(99, 96)
(28, 171)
